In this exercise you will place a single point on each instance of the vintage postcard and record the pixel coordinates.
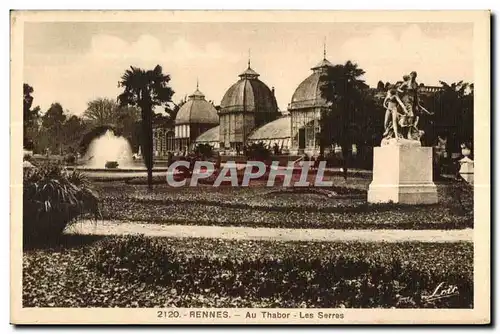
(250, 167)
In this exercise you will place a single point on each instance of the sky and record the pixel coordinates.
(75, 62)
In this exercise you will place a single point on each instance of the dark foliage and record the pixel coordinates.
(353, 115)
(258, 152)
(111, 164)
(70, 159)
(154, 272)
(204, 151)
(30, 117)
(53, 198)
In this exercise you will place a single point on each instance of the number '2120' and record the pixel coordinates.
(167, 314)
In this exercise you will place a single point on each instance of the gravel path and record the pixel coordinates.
(250, 233)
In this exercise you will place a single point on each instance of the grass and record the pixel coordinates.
(163, 272)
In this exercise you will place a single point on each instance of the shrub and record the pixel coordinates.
(28, 156)
(204, 151)
(52, 198)
(111, 164)
(70, 159)
(258, 152)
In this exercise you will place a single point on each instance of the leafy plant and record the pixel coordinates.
(52, 198)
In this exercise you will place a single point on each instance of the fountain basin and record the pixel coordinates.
(118, 173)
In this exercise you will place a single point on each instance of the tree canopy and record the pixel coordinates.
(101, 111)
(30, 117)
(346, 94)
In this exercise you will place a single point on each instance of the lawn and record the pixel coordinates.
(260, 206)
(163, 272)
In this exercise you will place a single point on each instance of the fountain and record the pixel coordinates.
(109, 148)
(110, 157)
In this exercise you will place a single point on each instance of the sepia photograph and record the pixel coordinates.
(250, 167)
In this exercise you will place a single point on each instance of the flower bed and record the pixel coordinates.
(282, 207)
(161, 272)
(341, 217)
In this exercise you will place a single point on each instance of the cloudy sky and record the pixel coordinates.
(72, 63)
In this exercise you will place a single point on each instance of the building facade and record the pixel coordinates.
(163, 140)
(249, 114)
(246, 105)
(195, 117)
(305, 112)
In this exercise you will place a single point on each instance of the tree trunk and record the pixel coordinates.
(345, 157)
(321, 145)
(147, 129)
(323, 134)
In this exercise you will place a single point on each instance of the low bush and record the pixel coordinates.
(204, 151)
(225, 273)
(70, 159)
(52, 198)
(258, 151)
(157, 179)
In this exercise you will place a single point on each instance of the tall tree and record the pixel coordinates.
(454, 112)
(129, 125)
(125, 120)
(345, 92)
(30, 117)
(171, 110)
(74, 129)
(52, 123)
(146, 89)
(380, 85)
(101, 111)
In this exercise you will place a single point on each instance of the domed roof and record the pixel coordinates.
(277, 129)
(209, 136)
(249, 94)
(308, 93)
(197, 110)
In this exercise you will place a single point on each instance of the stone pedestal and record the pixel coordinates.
(402, 173)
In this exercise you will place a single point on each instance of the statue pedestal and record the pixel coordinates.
(402, 173)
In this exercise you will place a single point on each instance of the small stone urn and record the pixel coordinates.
(467, 165)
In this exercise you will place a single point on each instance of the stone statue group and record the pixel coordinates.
(403, 110)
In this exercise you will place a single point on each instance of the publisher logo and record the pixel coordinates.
(442, 291)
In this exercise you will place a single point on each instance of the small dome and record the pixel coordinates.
(277, 129)
(249, 94)
(197, 110)
(308, 93)
(209, 136)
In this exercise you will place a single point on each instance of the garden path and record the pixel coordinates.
(282, 234)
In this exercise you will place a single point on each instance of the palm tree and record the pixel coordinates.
(146, 89)
(345, 94)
